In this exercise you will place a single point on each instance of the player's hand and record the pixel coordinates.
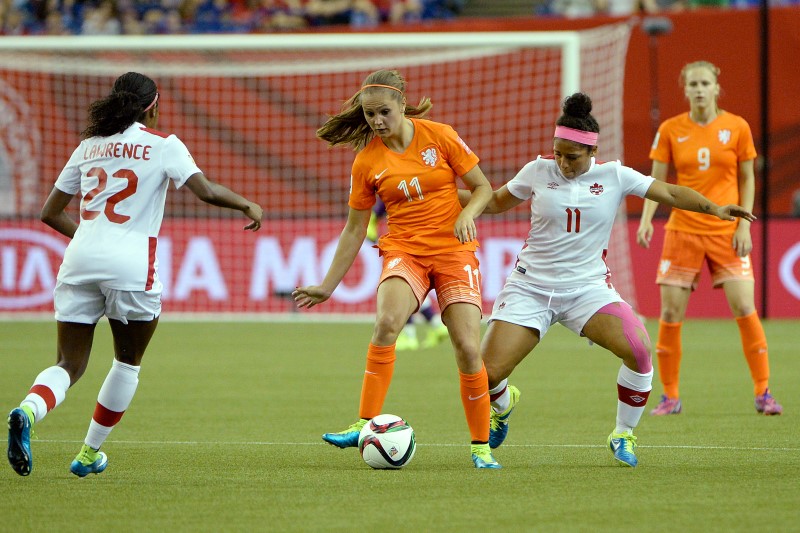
(465, 229)
(310, 296)
(254, 213)
(731, 212)
(742, 241)
(644, 234)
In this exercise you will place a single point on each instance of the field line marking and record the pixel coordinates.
(433, 445)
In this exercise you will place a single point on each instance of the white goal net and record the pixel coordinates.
(248, 106)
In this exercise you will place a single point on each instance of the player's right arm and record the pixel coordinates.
(54, 213)
(645, 231)
(502, 200)
(350, 242)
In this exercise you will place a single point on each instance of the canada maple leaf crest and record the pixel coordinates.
(596, 189)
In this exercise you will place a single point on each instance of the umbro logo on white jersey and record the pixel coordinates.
(378, 175)
(682, 139)
(552, 185)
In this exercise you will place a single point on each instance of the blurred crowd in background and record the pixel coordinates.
(147, 17)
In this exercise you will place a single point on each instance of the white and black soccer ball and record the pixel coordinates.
(387, 441)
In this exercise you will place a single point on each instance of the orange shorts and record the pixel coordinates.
(455, 276)
(683, 255)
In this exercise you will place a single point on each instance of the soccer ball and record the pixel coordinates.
(387, 441)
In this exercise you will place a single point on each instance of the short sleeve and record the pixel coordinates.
(521, 185)
(178, 162)
(746, 150)
(661, 149)
(69, 180)
(460, 157)
(362, 191)
(634, 182)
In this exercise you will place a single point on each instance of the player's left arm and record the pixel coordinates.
(691, 200)
(481, 193)
(54, 213)
(742, 240)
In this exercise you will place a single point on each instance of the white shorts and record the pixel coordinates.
(85, 304)
(534, 307)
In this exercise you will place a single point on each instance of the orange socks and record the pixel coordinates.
(475, 397)
(669, 351)
(754, 344)
(377, 378)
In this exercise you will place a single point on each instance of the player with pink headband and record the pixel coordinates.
(561, 275)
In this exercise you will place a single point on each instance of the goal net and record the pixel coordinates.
(247, 107)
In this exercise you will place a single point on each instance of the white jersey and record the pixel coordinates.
(123, 182)
(571, 220)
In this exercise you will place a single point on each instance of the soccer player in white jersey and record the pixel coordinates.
(121, 170)
(561, 275)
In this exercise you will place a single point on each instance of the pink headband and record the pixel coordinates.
(382, 86)
(579, 136)
(152, 103)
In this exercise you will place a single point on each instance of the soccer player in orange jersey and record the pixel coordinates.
(713, 152)
(413, 166)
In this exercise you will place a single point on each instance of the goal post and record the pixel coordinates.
(248, 106)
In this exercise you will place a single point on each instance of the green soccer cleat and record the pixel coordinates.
(347, 438)
(483, 458)
(436, 335)
(623, 446)
(406, 341)
(88, 461)
(498, 425)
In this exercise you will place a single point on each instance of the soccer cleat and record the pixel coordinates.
(623, 446)
(766, 404)
(498, 424)
(482, 457)
(347, 438)
(19, 442)
(436, 335)
(667, 406)
(372, 227)
(88, 461)
(406, 341)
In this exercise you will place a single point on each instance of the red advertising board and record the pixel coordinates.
(212, 266)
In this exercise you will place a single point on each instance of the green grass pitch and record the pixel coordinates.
(224, 435)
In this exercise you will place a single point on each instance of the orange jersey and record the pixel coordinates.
(418, 187)
(706, 159)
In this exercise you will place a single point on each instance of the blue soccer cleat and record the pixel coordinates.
(623, 446)
(347, 438)
(498, 425)
(19, 442)
(88, 461)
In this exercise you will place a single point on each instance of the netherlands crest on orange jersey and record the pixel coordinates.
(429, 156)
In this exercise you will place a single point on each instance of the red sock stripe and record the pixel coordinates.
(106, 417)
(47, 395)
(634, 398)
(496, 395)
